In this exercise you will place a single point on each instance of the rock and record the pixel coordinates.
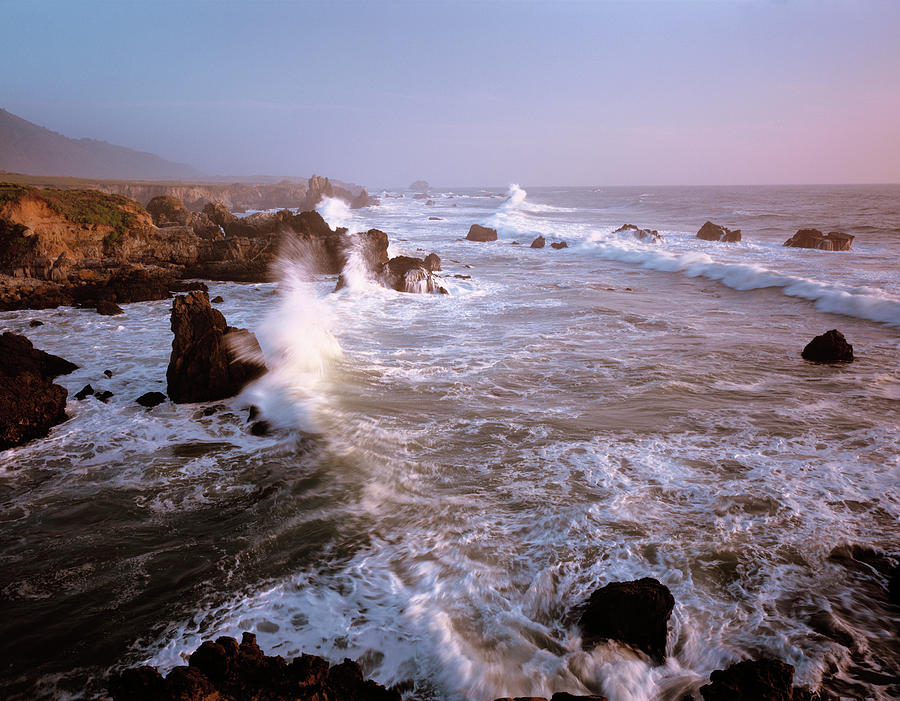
(649, 235)
(107, 308)
(463, 277)
(433, 262)
(420, 196)
(317, 188)
(20, 356)
(202, 367)
(558, 696)
(151, 399)
(756, 680)
(108, 373)
(813, 238)
(539, 242)
(830, 347)
(429, 203)
(260, 428)
(217, 299)
(434, 219)
(103, 396)
(84, 393)
(714, 232)
(419, 186)
(34, 323)
(481, 233)
(407, 274)
(167, 210)
(30, 405)
(559, 245)
(635, 613)
(227, 671)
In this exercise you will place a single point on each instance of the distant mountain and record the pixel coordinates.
(32, 149)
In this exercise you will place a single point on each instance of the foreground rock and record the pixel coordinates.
(539, 242)
(481, 233)
(167, 210)
(433, 262)
(830, 347)
(406, 274)
(635, 613)
(714, 232)
(227, 671)
(647, 235)
(205, 364)
(756, 680)
(30, 403)
(560, 696)
(813, 238)
(559, 245)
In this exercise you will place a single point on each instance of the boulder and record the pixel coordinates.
(84, 393)
(830, 347)
(539, 242)
(106, 308)
(559, 245)
(227, 671)
(558, 696)
(151, 399)
(433, 262)
(34, 323)
(481, 233)
(635, 613)
(647, 235)
(756, 680)
(167, 210)
(429, 203)
(407, 274)
(714, 232)
(434, 219)
(218, 299)
(202, 366)
(813, 238)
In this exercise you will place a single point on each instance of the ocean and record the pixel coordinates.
(450, 476)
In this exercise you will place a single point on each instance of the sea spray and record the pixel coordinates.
(336, 212)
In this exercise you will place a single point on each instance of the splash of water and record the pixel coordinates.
(336, 212)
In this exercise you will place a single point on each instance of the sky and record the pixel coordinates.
(639, 92)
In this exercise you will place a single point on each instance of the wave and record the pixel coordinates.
(336, 212)
(861, 302)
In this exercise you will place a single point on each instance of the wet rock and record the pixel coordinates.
(151, 399)
(84, 393)
(539, 242)
(260, 428)
(813, 238)
(34, 323)
(830, 347)
(481, 233)
(434, 219)
(218, 299)
(433, 262)
(167, 210)
(463, 277)
(202, 367)
(647, 235)
(106, 308)
(420, 196)
(103, 396)
(559, 696)
(635, 613)
(559, 245)
(253, 412)
(108, 373)
(30, 405)
(19, 355)
(407, 274)
(756, 680)
(714, 232)
(429, 203)
(227, 671)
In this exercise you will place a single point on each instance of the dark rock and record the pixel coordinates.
(481, 233)
(167, 211)
(227, 671)
(635, 613)
(19, 355)
(108, 373)
(751, 680)
(407, 274)
(463, 277)
(559, 245)
(202, 366)
(253, 413)
(894, 586)
(558, 696)
(429, 203)
(103, 396)
(34, 323)
(813, 238)
(435, 219)
(30, 405)
(151, 399)
(714, 232)
(106, 308)
(84, 392)
(260, 428)
(650, 235)
(218, 299)
(830, 347)
(433, 262)
(539, 242)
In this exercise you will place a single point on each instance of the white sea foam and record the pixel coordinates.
(336, 212)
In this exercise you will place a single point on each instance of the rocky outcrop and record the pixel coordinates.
(714, 232)
(539, 242)
(204, 365)
(830, 347)
(167, 210)
(419, 186)
(559, 245)
(318, 188)
(559, 696)
(30, 403)
(151, 399)
(406, 274)
(433, 262)
(646, 235)
(227, 671)
(481, 233)
(757, 680)
(635, 613)
(813, 238)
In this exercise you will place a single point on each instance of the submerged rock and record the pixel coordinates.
(830, 347)
(714, 232)
(649, 235)
(227, 671)
(635, 613)
(107, 308)
(813, 238)
(757, 680)
(202, 366)
(539, 242)
(406, 274)
(559, 245)
(84, 393)
(151, 399)
(481, 233)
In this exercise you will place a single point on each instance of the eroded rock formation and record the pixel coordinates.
(646, 235)
(714, 232)
(813, 238)
(481, 233)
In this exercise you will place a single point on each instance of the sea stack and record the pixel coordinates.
(481, 233)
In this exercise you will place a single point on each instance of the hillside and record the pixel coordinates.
(28, 148)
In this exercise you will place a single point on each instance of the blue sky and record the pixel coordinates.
(466, 93)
